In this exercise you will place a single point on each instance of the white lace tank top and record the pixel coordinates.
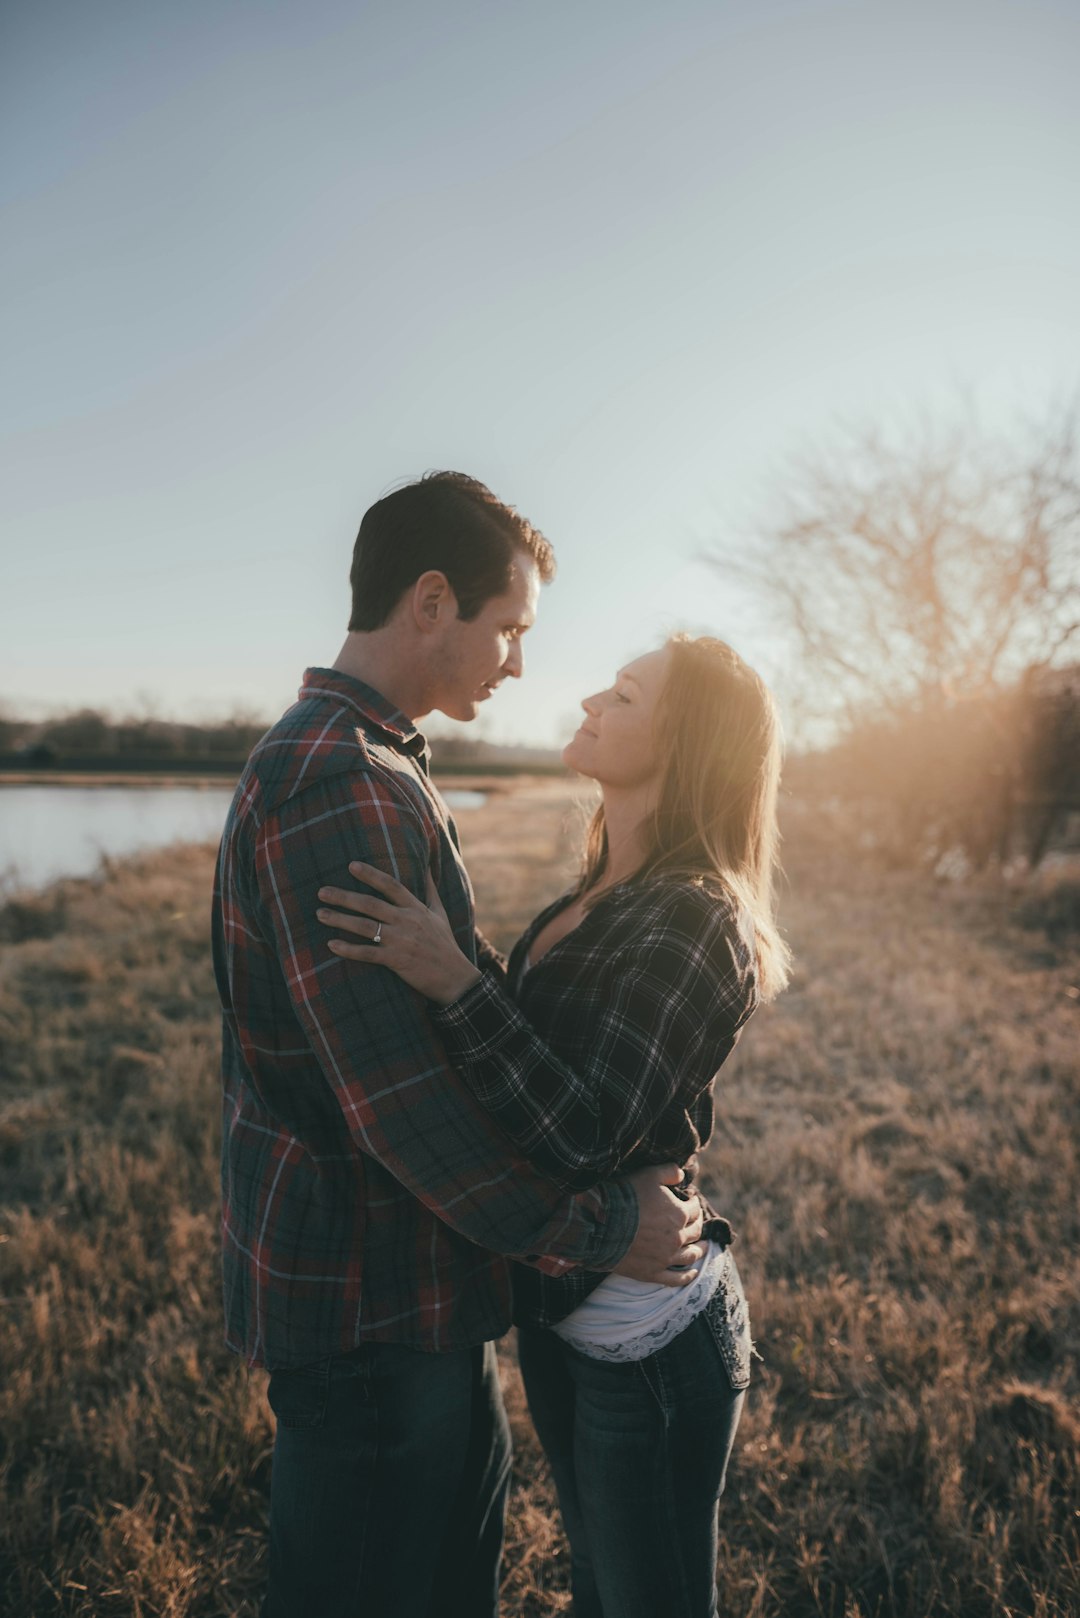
(629, 1320)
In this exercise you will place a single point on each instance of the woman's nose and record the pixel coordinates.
(591, 704)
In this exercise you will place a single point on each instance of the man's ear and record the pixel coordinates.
(433, 601)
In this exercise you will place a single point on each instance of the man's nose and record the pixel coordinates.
(515, 660)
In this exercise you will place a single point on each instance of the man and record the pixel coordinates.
(369, 1202)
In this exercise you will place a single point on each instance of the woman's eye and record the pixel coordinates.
(621, 697)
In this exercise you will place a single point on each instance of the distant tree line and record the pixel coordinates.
(88, 737)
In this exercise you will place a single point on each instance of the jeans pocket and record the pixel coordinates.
(299, 1395)
(729, 1323)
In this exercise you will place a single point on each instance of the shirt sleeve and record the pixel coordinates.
(674, 999)
(400, 1099)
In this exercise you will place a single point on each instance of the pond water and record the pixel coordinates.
(52, 831)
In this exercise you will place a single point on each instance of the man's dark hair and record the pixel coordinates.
(446, 522)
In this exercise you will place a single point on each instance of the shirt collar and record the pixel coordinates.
(370, 705)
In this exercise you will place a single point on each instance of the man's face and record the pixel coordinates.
(475, 657)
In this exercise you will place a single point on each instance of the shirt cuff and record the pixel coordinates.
(478, 1022)
(619, 1227)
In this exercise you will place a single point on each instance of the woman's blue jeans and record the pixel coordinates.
(639, 1452)
(388, 1493)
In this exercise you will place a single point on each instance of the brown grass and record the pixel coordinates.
(898, 1149)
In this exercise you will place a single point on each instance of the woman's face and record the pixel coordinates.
(615, 743)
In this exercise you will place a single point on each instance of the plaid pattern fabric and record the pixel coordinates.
(366, 1193)
(606, 1061)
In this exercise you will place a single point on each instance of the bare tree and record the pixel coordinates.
(913, 571)
(931, 588)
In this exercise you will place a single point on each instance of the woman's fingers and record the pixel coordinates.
(357, 952)
(348, 899)
(396, 892)
(362, 926)
(361, 904)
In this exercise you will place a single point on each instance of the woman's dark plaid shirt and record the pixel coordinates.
(606, 1060)
(366, 1193)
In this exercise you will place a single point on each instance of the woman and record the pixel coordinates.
(628, 993)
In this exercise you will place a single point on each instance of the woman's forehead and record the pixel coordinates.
(649, 669)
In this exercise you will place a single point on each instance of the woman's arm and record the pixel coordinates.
(676, 996)
(678, 992)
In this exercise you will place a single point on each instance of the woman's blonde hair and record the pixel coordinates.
(718, 751)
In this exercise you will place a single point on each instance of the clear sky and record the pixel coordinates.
(261, 261)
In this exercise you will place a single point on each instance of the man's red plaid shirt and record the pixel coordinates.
(367, 1195)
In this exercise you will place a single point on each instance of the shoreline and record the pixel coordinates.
(68, 778)
(32, 870)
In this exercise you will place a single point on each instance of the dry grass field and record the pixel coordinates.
(898, 1151)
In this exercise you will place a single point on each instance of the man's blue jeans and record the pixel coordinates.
(639, 1454)
(388, 1496)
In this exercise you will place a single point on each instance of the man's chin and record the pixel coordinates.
(461, 711)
